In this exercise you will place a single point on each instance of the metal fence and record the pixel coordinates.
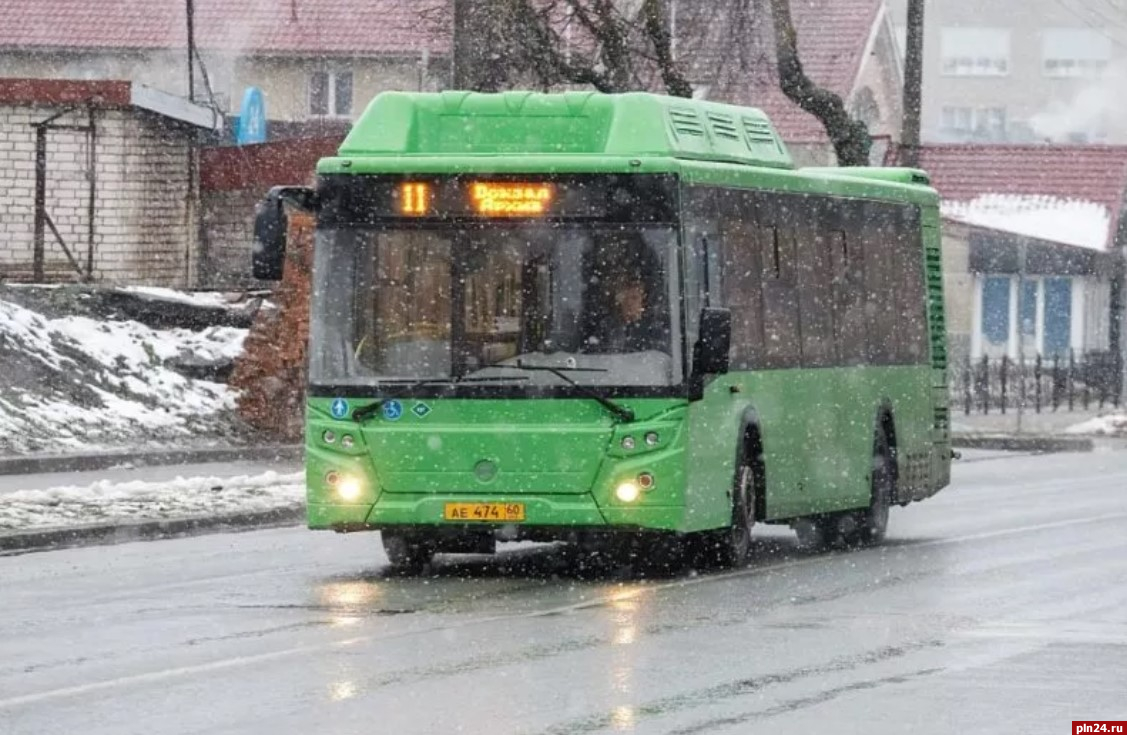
(1061, 382)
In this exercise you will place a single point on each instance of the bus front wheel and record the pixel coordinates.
(730, 547)
(407, 551)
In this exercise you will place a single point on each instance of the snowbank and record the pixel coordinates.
(1071, 221)
(136, 501)
(1111, 424)
(75, 382)
(195, 298)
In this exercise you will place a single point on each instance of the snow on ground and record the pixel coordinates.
(141, 501)
(1110, 424)
(195, 298)
(74, 383)
(1070, 221)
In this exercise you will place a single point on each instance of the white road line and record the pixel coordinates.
(238, 661)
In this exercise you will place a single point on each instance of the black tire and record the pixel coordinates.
(869, 526)
(856, 528)
(731, 546)
(407, 552)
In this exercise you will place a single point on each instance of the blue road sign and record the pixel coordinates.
(251, 124)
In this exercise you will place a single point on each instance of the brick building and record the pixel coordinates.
(114, 194)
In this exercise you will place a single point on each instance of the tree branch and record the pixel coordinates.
(850, 137)
(653, 17)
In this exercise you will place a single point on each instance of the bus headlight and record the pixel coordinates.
(349, 487)
(627, 492)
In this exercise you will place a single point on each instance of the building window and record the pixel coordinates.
(975, 52)
(1074, 52)
(974, 123)
(996, 310)
(330, 94)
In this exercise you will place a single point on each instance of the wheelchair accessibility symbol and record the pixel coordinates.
(392, 410)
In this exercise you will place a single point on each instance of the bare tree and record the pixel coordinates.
(850, 137)
(623, 45)
(610, 45)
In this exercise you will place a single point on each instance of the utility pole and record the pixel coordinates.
(1021, 267)
(463, 41)
(191, 10)
(478, 53)
(913, 86)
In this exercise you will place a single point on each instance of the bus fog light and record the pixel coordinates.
(627, 442)
(627, 492)
(332, 477)
(645, 481)
(349, 488)
(329, 437)
(651, 438)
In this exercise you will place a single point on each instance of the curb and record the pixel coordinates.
(46, 539)
(150, 458)
(1014, 443)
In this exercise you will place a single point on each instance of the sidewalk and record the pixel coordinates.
(46, 463)
(1039, 432)
(1046, 423)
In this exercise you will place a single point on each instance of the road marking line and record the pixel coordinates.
(237, 661)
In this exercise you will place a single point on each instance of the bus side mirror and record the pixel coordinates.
(710, 354)
(268, 253)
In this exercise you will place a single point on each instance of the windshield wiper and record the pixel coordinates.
(364, 413)
(623, 413)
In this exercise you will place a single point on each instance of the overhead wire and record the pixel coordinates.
(1100, 27)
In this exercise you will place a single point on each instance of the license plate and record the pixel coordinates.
(484, 512)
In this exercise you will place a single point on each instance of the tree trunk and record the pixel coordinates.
(850, 138)
(657, 29)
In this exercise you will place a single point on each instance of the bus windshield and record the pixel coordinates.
(495, 305)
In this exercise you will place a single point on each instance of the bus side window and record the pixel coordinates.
(781, 338)
(815, 283)
(849, 303)
(701, 249)
(910, 289)
(740, 256)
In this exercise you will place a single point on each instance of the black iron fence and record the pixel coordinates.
(1062, 382)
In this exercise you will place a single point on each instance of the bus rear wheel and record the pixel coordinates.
(406, 551)
(870, 525)
(856, 528)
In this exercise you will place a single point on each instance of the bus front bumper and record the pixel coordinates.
(541, 511)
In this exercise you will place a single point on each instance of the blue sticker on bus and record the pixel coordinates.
(339, 408)
(392, 410)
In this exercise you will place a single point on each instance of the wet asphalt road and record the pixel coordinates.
(1000, 606)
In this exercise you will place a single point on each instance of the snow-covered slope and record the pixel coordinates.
(74, 382)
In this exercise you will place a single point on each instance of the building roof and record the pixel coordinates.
(329, 27)
(1051, 173)
(106, 93)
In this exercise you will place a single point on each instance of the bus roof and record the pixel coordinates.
(630, 125)
(591, 132)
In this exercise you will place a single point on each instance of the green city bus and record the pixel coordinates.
(612, 320)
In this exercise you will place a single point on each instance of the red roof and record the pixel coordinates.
(832, 38)
(259, 26)
(1095, 173)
